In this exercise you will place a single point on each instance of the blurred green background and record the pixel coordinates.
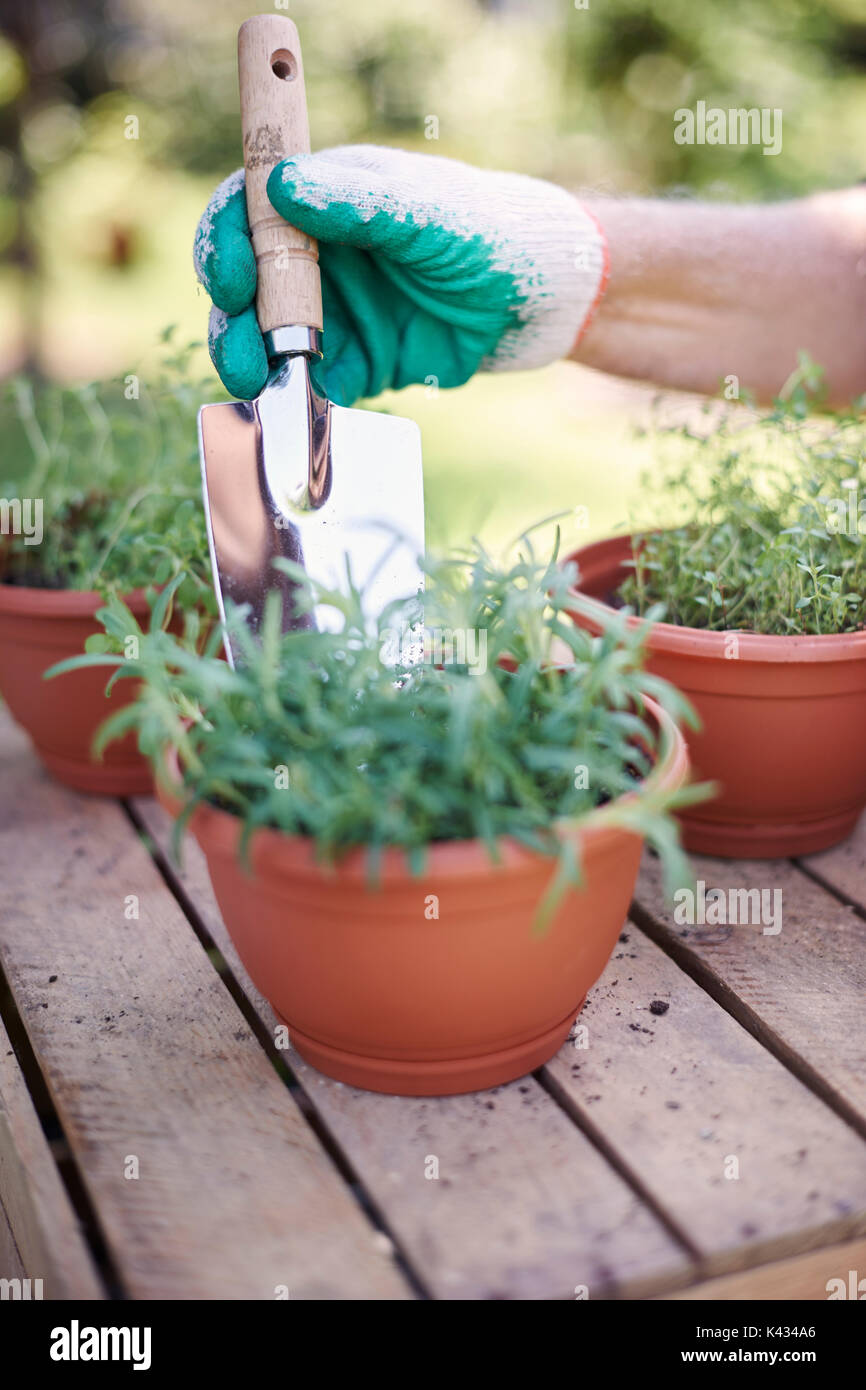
(96, 227)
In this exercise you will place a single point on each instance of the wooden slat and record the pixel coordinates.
(524, 1206)
(801, 991)
(42, 1223)
(803, 1278)
(678, 1095)
(145, 1054)
(843, 868)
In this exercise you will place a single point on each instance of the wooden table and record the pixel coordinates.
(155, 1143)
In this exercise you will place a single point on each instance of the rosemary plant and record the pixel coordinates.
(513, 723)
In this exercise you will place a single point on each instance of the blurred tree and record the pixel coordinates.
(585, 96)
(54, 55)
(639, 60)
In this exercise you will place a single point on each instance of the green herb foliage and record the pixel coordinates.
(318, 734)
(119, 482)
(773, 538)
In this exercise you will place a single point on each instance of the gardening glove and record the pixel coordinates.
(431, 270)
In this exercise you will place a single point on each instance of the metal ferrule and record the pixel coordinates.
(293, 341)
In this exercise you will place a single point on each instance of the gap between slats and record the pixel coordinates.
(703, 974)
(58, 1144)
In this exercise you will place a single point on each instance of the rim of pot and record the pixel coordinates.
(59, 603)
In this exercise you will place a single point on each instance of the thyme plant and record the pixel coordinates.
(773, 531)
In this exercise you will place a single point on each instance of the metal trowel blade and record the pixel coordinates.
(292, 475)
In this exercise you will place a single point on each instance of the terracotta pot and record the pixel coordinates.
(37, 628)
(379, 992)
(783, 724)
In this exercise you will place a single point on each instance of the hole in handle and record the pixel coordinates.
(284, 65)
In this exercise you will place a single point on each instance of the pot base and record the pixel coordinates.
(99, 779)
(449, 1077)
(766, 841)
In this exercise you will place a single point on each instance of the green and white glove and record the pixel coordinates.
(431, 269)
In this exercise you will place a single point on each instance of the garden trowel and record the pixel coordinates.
(340, 492)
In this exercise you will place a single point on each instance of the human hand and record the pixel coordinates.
(431, 270)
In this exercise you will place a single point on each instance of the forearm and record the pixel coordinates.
(699, 292)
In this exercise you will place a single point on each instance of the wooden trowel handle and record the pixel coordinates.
(275, 126)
